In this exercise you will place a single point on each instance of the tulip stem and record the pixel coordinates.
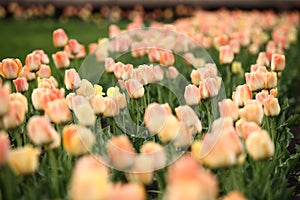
(53, 164)
(228, 79)
(160, 178)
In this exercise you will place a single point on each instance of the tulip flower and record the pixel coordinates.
(236, 68)
(271, 106)
(77, 139)
(278, 62)
(156, 153)
(74, 46)
(235, 45)
(43, 56)
(226, 55)
(120, 152)
(109, 65)
(112, 108)
(259, 145)
(228, 108)
(252, 112)
(262, 59)
(255, 80)
(114, 30)
(192, 95)
(40, 131)
(33, 62)
(23, 160)
(172, 72)
(234, 195)
(166, 58)
(72, 79)
(114, 92)
(209, 87)
(4, 99)
(44, 71)
(120, 69)
(60, 38)
(19, 97)
(25, 72)
(127, 191)
(16, 115)
(244, 128)
(242, 94)
(98, 104)
(170, 129)
(88, 176)
(61, 59)
(10, 68)
(134, 88)
(83, 111)
(21, 84)
(154, 54)
(4, 147)
(58, 111)
(187, 115)
(86, 89)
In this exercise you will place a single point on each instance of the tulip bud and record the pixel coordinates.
(23, 160)
(111, 107)
(228, 108)
(120, 152)
(72, 79)
(262, 59)
(60, 38)
(74, 46)
(4, 148)
(192, 95)
(187, 115)
(61, 59)
(244, 128)
(271, 107)
(134, 88)
(109, 64)
(209, 87)
(236, 68)
(58, 111)
(242, 94)
(255, 80)
(226, 55)
(83, 111)
(259, 145)
(77, 139)
(21, 84)
(43, 56)
(172, 72)
(252, 112)
(33, 62)
(170, 129)
(278, 62)
(4, 99)
(27, 74)
(16, 115)
(270, 80)
(166, 58)
(44, 71)
(10, 68)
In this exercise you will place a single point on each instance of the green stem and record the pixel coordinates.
(159, 94)
(53, 165)
(228, 79)
(161, 182)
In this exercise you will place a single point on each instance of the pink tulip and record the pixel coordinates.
(235, 46)
(270, 80)
(166, 58)
(48, 83)
(10, 68)
(58, 111)
(25, 72)
(92, 47)
(4, 99)
(226, 55)
(72, 79)
(278, 62)
(187, 115)
(109, 64)
(252, 112)
(4, 147)
(271, 106)
(44, 71)
(156, 153)
(43, 56)
(21, 98)
(192, 95)
(134, 88)
(61, 59)
(228, 108)
(242, 94)
(154, 54)
(74, 46)
(244, 128)
(255, 80)
(33, 62)
(262, 59)
(114, 30)
(112, 108)
(16, 115)
(60, 38)
(172, 72)
(261, 96)
(21, 84)
(209, 87)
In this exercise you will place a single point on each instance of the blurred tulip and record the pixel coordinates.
(23, 160)
(98, 104)
(234, 195)
(154, 54)
(25, 72)
(262, 59)
(170, 129)
(92, 47)
(10, 68)
(114, 92)
(192, 95)
(72, 79)
(241, 94)
(74, 46)
(83, 111)
(86, 89)
(40, 131)
(43, 56)
(226, 55)
(228, 108)
(77, 139)
(252, 112)
(111, 107)
(120, 152)
(44, 71)
(21, 84)
(61, 59)
(134, 88)
(41, 96)
(60, 38)
(187, 115)
(156, 153)
(235, 46)
(209, 87)
(259, 97)
(278, 62)
(109, 64)
(271, 106)
(19, 97)
(259, 145)
(172, 72)
(16, 115)
(244, 128)
(33, 62)
(4, 99)
(4, 147)
(89, 179)
(58, 111)
(114, 30)
(270, 80)
(166, 58)
(236, 68)
(129, 191)
(255, 80)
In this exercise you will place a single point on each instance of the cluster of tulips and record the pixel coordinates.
(36, 107)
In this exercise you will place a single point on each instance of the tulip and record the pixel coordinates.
(270, 80)
(58, 111)
(184, 136)
(10, 68)
(86, 89)
(114, 30)
(187, 115)
(138, 49)
(273, 92)
(158, 73)
(48, 83)
(33, 62)
(253, 48)
(61, 59)
(235, 45)
(44, 71)
(127, 191)
(74, 46)
(60, 38)
(222, 124)
(92, 47)
(72, 79)
(134, 88)
(41, 96)
(220, 40)
(21, 84)
(40, 131)
(262, 59)
(255, 80)
(23, 160)
(154, 54)
(278, 62)
(25, 72)
(228, 108)
(271, 107)
(226, 55)
(4, 148)
(4, 99)
(172, 72)
(252, 112)
(234, 195)
(166, 58)
(155, 117)
(89, 179)
(43, 56)
(98, 104)
(258, 68)
(109, 65)
(156, 153)
(120, 152)
(121, 69)
(209, 87)
(83, 111)
(114, 92)
(236, 68)
(259, 145)
(98, 89)
(111, 107)
(170, 129)
(259, 97)
(77, 139)
(242, 94)
(192, 95)
(16, 115)
(244, 128)
(21, 98)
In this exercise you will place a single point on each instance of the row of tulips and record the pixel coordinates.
(66, 117)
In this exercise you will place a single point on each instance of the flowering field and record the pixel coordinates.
(196, 108)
